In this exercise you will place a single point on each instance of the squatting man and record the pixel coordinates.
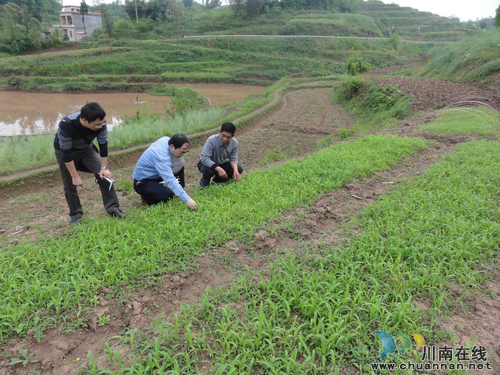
(159, 173)
(219, 157)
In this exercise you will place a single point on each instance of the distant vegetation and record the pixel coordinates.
(142, 65)
(137, 51)
(474, 58)
(21, 23)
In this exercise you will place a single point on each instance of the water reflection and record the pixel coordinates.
(23, 113)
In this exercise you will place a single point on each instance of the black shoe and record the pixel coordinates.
(202, 185)
(74, 219)
(118, 213)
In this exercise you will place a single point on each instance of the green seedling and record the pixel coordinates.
(24, 360)
(59, 273)
(102, 320)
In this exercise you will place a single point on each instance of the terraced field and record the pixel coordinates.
(333, 233)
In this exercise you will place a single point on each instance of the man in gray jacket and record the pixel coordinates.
(219, 157)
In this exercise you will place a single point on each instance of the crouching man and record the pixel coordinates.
(219, 157)
(159, 173)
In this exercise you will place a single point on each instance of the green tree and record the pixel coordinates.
(497, 17)
(156, 9)
(356, 65)
(177, 15)
(254, 7)
(35, 35)
(24, 16)
(107, 23)
(123, 28)
(12, 12)
(84, 9)
(56, 37)
(212, 4)
(4, 21)
(135, 9)
(395, 40)
(237, 6)
(187, 3)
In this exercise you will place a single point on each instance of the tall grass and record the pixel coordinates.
(471, 59)
(377, 106)
(58, 273)
(133, 133)
(316, 312)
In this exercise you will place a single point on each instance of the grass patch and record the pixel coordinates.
(476, 120)
(56, 274)
(377, 106)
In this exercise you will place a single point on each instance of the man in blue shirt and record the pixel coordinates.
(159, 173)
(219, 157)
(75, 152)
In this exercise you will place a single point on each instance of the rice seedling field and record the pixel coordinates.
(316, 313)
(100, 255)
(290, 271)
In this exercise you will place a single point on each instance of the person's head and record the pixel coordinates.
(93, 116)
(179, 145)
(227, 131)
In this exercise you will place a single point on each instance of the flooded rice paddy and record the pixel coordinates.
(24, 113)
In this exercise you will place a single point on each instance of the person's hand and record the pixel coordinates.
(105, 173)
(77, 181)
(237, 176)
(192, 204)
(222, 173)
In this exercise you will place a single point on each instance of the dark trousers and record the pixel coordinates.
(208, 173)
(86, 160)
(153, 192)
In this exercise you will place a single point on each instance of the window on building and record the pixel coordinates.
(71, 34)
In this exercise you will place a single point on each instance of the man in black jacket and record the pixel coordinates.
(75, 152)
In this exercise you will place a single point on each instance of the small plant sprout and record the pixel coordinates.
(102, 320)
(25, 358)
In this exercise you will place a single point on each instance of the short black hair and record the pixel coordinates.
(178, 140)
(92, 111)
(228, 127)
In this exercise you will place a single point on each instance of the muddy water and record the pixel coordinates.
(24, 113)
(32, 113)
(225, 94)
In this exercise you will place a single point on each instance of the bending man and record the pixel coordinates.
(75, 152)
(219, 157)
(159, 173)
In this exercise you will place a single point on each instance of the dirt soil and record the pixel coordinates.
(304, 117)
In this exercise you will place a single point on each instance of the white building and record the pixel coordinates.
(71, 23)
